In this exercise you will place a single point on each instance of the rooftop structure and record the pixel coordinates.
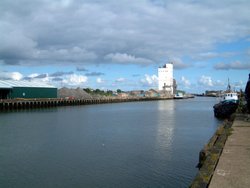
(14, 83)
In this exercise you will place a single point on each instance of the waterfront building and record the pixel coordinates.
(152, 93)
(165, 78)
(26, 89)
(137, 93)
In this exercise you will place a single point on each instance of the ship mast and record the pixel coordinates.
(228, 86)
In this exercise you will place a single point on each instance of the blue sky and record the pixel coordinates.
(120, 44)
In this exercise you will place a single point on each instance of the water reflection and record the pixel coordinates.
(165, 128)
(146, 144)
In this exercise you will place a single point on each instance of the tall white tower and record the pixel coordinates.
(165, 77)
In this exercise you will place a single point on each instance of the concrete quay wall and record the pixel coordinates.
(210, 155)
(233, 168)
(45, 103)
(224, 161)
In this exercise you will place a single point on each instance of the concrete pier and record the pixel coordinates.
(233, 168)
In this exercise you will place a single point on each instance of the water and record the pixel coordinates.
(135, 145)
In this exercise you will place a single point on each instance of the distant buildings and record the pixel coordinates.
(212, 93)
(152, 93)
(166, 81)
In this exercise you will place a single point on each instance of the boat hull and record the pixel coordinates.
(225, 109)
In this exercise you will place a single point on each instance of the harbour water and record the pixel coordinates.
(136, 144)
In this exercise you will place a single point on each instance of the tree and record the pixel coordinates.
(98, 91)
(109, 92)
(88, 90)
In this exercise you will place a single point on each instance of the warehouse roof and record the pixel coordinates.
(8, 84)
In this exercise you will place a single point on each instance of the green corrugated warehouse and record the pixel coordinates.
(26, 89)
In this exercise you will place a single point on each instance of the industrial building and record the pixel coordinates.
(165, 78)
(26, 89)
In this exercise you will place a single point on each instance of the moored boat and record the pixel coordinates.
(179, 95)
(224, 109)
(227, 105)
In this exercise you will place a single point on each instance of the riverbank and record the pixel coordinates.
(15, 104)
(224, 161)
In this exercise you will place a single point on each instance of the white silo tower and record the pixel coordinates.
(165, 78)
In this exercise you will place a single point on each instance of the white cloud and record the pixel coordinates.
(205, 81)
(185, 82)
(33, 75)
(218, 83)
(239, 85)
(150, 81)
(60, 79)
(125, 32)
(120, 80)
(11, 76)
(74, 80)
(208, 55)
(99, 81)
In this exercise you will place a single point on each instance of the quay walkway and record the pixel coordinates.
(233, 168)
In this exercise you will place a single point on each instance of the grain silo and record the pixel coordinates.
(165, 78)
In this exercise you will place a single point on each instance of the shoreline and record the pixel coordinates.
(212, 153)
(15, 104)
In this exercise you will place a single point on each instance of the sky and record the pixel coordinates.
(110, 44)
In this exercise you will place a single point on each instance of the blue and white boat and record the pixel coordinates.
(230, 97)
(228, 103)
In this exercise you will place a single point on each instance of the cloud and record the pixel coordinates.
(27, 78)
(38, 77)
(99, 81)
(74, 54)
(94, 74)
(81, 69)
(234, 65)
(57, 79)
(125, 58)
(120, 80)
(178, 64)
(210, 55)
(239, 84)
(205, 81)
(41, 76)
(185, 82)
(15, 45)
(11, 75)
(58, 74)
(125, 32)
(74, 80)
(218, 83)
(68, 80)
(33, 75)
(149, 81)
